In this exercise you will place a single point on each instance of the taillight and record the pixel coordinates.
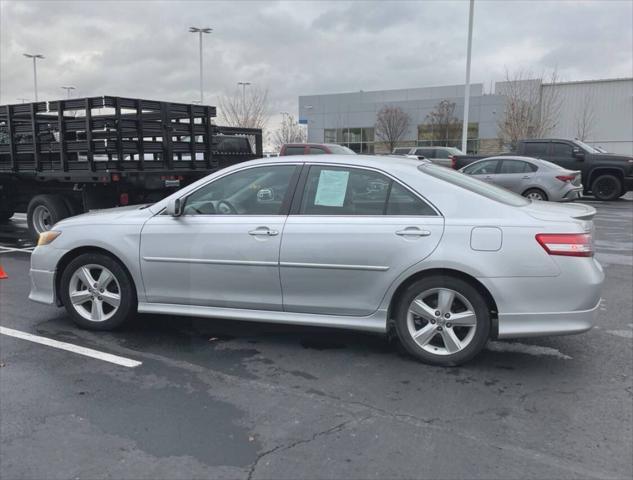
(566, 178)
(124, 199)
(567, 244)
(453, 161)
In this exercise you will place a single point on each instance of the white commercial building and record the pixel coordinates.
(600, 111)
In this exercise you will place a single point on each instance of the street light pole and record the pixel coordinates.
(34, 57)
(467, 92)
(200, 31)
(68, 90)
(244, 85)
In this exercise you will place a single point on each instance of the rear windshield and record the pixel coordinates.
(341, 150)
(476, 186)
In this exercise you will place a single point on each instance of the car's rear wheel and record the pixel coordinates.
(442, 320)
(606, 187)
(535, 194)
(97, 292)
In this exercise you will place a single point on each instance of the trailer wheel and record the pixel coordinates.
(44, 211)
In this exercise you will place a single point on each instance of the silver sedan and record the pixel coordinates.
(355, 242)
(531, 177)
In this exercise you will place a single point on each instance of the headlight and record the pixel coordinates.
(47, 237)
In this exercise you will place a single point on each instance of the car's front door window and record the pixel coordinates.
(483, 168)
(255, 191)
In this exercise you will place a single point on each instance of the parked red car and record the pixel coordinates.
(314, 149)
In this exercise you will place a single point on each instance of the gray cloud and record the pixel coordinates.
(143, 49)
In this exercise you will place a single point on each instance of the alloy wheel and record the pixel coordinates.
(534, 196)
(441, 321)
(95, 293)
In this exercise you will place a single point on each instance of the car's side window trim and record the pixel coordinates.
(285, 206)
(295, 209)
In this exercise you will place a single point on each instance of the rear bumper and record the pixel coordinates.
(572, 195)
(519, 325)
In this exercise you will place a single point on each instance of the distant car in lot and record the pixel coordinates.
(353, 242)
(439, 155)
(606, 176)
(531, 177)
(314, 149)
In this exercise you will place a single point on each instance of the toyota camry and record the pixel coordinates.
(358, 242)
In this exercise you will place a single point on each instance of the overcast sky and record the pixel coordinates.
(143, 49)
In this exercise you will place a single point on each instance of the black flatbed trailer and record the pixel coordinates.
(70, 156)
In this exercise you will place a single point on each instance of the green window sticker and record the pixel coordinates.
(332, 188)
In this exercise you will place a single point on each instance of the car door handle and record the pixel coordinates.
(526, 177)
(263, 231)
(413, 231)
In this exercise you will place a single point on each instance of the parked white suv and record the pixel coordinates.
(440, 155)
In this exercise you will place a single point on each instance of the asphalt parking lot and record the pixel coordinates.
(216, 399)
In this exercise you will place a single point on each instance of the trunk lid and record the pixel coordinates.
(557, 211)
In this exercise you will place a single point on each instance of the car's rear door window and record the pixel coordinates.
(331, 190)
(515, 166)
(534, 149)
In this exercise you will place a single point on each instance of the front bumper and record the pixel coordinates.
(44, 262)
(42, 286)
(520, 325)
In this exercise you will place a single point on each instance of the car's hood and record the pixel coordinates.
(108, 216)
(557, 211)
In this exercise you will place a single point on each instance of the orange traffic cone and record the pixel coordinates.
(3, 274)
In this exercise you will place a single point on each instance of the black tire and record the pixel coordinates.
(606, 187)
(470, 293)
(55, 206)
(127, 292)
(5, 215)
(533, 193)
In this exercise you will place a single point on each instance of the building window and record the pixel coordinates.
(359, 139)
(430, 136)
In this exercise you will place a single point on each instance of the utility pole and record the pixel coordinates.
(200, 31)
(34, 57)
(467, 92)
(68, 90)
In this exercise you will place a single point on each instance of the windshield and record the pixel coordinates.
(476, 186)
(586, 147)
(340, 149)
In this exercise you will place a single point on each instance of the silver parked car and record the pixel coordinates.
(439, 155)
(531, 177)
(345, 241)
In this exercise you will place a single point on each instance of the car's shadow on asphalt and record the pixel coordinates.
(229, 344)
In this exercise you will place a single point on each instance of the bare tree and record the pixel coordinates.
(247, 109)
(533, 106)
(441, 124)
(585, 118)
(392, 124)
(289, 132)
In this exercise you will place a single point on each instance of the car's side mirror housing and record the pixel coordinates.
(174, 207)
(578, 153)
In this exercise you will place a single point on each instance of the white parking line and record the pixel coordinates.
(69, 347)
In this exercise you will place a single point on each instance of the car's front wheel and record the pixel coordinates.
(442, 320)
(97, 292)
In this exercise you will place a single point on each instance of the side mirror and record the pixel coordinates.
(578, 153)
(421, 157)
(174, 207)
